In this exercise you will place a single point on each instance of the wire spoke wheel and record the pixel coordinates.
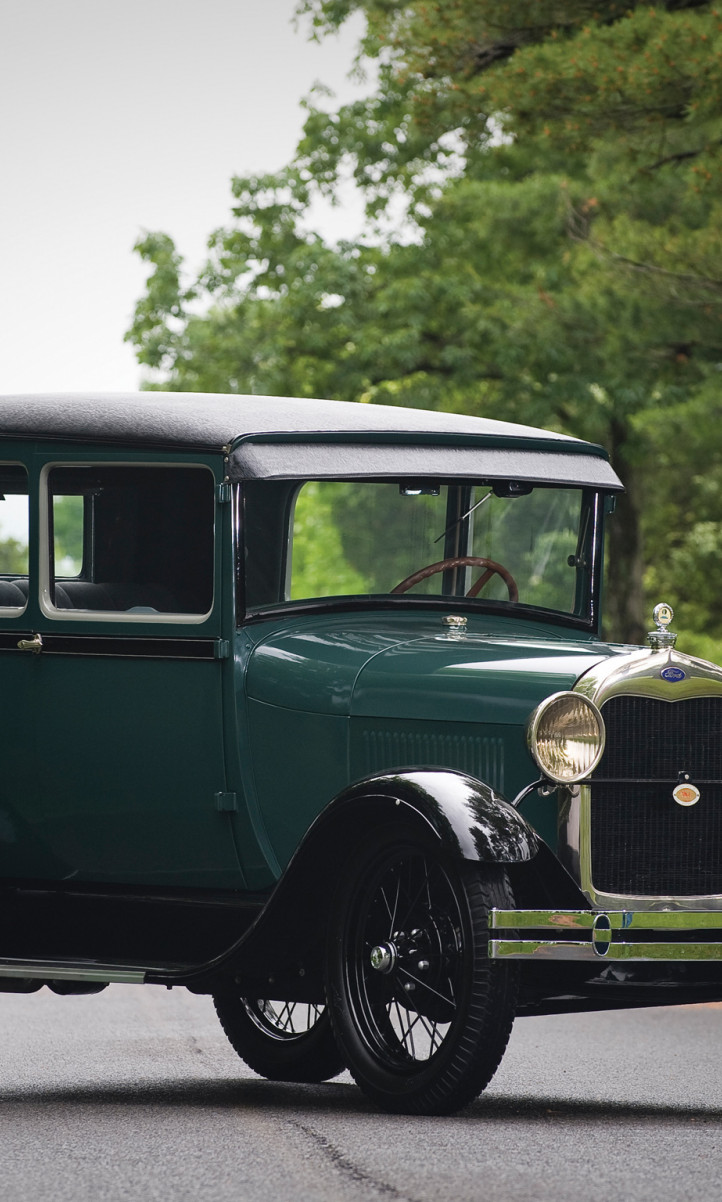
(421, 1014)
(280, 1040)
(283, 1020)
(408, 962)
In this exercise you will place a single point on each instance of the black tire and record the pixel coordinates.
(421, 1014)
(283, 1041)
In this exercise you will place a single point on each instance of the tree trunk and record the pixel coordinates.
(624, 620)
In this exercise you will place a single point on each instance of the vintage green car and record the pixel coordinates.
(305, 706)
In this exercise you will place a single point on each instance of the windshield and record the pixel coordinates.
(501, 542)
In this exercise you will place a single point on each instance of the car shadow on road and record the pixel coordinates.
(340, 1098)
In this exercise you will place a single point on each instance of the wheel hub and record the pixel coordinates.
(384, 957)
(415, 963)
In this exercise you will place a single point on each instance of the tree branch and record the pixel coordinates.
(496, 52)
(676, 158)
(578, 229)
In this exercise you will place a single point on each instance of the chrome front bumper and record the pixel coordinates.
(609, 935)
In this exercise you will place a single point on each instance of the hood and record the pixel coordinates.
(412, 666)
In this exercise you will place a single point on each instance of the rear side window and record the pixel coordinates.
(13, 537)
(134, 542)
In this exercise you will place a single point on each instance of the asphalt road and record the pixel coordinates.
(134, 1094)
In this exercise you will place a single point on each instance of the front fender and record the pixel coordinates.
(469, 818)
(285, 943)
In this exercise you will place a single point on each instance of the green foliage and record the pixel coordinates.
(13, 557)
(557, 258)
(319, 564)
(68, 534)
(160, 314)
(13, 525)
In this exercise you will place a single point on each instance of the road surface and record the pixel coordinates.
(135, 1094)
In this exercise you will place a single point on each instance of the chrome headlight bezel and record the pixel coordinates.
(546, 723)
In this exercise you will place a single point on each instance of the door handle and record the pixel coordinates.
(35, 644)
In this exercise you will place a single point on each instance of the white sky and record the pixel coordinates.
(118, 116)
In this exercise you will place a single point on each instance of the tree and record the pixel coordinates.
(13, 557)
(558, 258)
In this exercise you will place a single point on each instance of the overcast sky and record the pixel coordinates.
(118, 116)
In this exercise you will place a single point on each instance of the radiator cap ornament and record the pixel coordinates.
(661, 638)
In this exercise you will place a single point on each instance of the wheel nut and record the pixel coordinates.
(422, 965)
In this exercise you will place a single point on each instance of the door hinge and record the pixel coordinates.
(223, 492)
(221, 648)
(226, 803)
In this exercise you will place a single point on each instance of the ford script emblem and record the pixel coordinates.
(673, 674)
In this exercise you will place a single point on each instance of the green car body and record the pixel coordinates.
(271, 666)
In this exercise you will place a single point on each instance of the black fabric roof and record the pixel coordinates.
(214, 421)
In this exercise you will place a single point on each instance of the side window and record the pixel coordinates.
(13, 537)
(135, 542)
(68, 526)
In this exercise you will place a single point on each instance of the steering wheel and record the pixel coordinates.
(464, 561)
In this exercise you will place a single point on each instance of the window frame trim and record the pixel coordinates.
(55, 614)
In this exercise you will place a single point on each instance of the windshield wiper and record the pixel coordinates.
(464, 515)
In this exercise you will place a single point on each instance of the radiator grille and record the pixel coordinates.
(642, 842)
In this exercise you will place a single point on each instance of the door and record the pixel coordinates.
(121, 693)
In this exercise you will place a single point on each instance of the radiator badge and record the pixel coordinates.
(673, 675)
(686, 795)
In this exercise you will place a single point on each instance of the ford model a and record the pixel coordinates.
(305, 706)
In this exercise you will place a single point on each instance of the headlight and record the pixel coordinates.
(566, 737)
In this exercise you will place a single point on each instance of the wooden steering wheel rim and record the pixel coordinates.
(463, 561)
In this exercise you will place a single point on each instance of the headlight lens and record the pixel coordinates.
(566, 737)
